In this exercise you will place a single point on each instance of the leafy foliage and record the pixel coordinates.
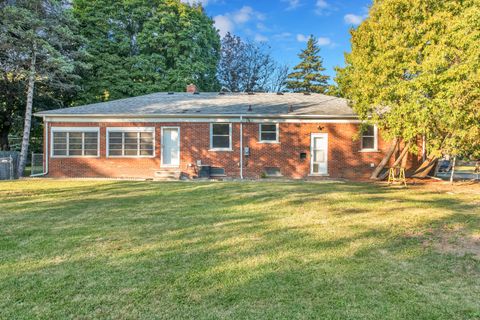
(144, 46)
(414, 70)
(47, 30)
(307, 75)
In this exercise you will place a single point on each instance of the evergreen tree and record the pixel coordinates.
(144, 46)
(307, 75)
(39, 46)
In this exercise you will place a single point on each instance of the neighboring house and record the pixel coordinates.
(237, 135)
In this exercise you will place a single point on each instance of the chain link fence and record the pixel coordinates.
(37, 164)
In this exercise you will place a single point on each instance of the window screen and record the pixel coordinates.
(131, 143)
(75, 143)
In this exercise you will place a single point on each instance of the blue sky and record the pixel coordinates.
(286, 24)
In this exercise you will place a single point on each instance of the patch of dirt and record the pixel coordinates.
(468, 187)
(454, 240)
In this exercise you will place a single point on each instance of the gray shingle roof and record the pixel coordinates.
(269, 104)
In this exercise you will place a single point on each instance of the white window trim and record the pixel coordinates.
(229, 135)
(130, 129)
(74, 129)
(268, 141)
(375, 141)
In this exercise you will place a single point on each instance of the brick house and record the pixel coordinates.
(235, 135)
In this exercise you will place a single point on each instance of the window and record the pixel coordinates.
(221, 136)
(369, 138)
(272, 172)
(75, 142)
(131, 142)
(268, 132)
(217, 172)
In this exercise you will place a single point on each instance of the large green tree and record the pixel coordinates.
(414, 71)
(39, 46)
(308, 75)
(144, 46)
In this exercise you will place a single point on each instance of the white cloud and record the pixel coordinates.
(262, 27)
(243, 15)
(323, 41)
(292, 4)
(229, 21)
(353, 19)
(322, 7)
(283, 35)
(260, 38)
(321, 4)
(223, 24)
(302, 37)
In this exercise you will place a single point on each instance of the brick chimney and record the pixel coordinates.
(191, 88)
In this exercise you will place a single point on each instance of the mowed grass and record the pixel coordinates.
(253, 250)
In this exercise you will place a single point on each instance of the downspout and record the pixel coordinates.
(47, 150)
(45, 171)
(241, 147)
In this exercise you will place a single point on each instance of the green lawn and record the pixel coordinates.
(265, 250)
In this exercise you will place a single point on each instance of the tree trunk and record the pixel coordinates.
(4, 143)
(453, 169)
(425, 168)
(397, 161)
(385, 159)
(28, 113)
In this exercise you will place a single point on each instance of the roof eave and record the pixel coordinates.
(186, 115)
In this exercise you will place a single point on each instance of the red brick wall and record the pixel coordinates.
(344, 157)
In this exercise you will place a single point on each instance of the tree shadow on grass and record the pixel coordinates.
(229, 251)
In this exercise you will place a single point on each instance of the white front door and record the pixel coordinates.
(170, 147)
(319, 154)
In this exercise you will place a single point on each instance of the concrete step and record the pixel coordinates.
(168, 174)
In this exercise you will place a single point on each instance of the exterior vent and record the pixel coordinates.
(279, 93)
(306, 94)
(170, 92)
(272, 172)
(250, 108)
(250, 93)
(221, 93)
(196, 92)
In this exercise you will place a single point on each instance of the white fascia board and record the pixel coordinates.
(210, 118)
(194, 116)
